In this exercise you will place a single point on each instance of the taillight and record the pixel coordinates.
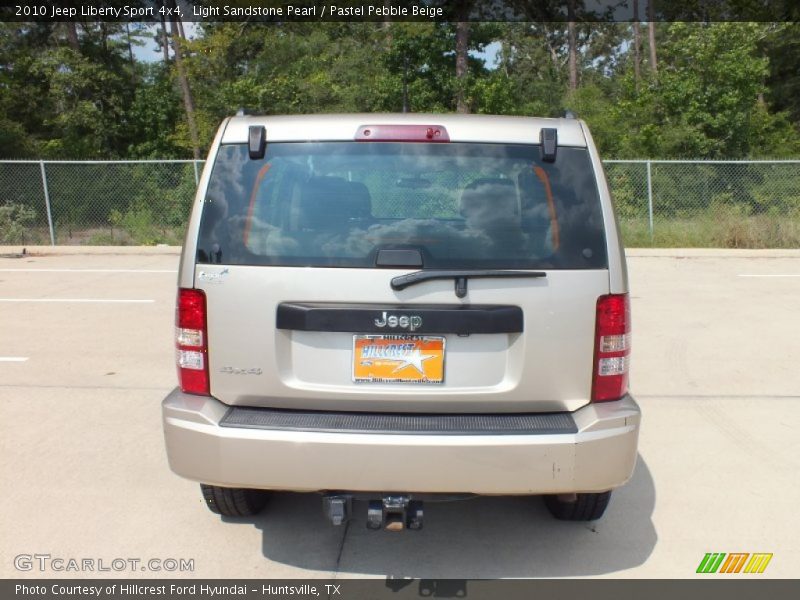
(191, 341)
(612, 348)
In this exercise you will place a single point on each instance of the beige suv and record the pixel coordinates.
(401, 308)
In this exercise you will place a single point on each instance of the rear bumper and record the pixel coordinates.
(601, 455)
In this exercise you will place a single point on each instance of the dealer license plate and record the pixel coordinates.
(398, 359)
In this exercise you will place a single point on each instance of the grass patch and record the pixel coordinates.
(714, 230)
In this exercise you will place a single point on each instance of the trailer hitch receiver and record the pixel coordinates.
(395, 513)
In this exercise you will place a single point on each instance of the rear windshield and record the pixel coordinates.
(460, 205)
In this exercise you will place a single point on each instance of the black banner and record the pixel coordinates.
(400, 10)
(399, 589)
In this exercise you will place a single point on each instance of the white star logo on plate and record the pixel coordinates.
(413, 359)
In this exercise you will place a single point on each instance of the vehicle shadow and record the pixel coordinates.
(485, 537)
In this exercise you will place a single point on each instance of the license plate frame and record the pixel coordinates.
(421, 362)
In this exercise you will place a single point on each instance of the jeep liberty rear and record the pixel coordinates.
(397, 307)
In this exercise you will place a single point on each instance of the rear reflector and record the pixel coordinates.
(612, 348)
(402, 133)
(191, 341)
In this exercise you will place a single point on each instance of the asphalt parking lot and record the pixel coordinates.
(86, 355)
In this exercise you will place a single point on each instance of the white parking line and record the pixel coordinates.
(768, 275)
(99, 300)
(13, 358)
(88, 271)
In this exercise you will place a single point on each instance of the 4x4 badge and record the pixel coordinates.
(410, 322)
(213, 277)
(241, 371)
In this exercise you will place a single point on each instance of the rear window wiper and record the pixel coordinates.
(401, 282)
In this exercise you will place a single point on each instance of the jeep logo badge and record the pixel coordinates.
(411, 322)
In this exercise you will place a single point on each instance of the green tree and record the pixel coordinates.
(705, 103)
(70, 103)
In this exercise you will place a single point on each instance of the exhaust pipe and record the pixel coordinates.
(337, 508)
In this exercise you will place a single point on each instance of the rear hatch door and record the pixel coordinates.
(302, 256)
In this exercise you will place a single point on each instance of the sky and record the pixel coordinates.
(149, 51)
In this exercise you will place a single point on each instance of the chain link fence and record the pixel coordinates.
(727, 204)
(96, 202)
(750, 204)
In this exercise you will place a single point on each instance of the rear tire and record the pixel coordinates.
(233, 502)
(586, 507)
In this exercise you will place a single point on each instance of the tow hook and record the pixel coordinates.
(394, 513)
